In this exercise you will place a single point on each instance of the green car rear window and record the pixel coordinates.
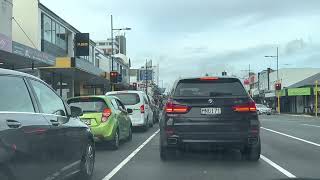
(89, 104)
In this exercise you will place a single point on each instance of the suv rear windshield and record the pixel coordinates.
(128, 98)
(88, 104)
(213, 88)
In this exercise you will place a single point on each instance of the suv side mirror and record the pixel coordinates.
(129, 111)
(76, 111)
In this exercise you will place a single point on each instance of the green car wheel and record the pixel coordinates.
(116, 141)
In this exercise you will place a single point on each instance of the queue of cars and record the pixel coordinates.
(44, 137)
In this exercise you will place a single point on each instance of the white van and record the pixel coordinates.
(142, 115)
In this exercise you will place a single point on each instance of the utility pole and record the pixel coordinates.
(278, 64)
(146, 77)
(111, 43)
(316, 100)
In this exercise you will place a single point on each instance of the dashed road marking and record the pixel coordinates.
(279, 168)
(128, 158)
(293, 137)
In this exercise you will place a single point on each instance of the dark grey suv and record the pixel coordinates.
(211, 111)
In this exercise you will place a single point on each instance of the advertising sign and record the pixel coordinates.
(32, 53)
(81, 44)
(299, 91)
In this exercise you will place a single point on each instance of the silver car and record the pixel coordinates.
(262, 109)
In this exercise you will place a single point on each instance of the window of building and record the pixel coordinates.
(47, 28)
(62, 37)
(102, 43)
(53, 32)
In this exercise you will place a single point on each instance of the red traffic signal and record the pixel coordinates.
(277, 86)
(114, 76)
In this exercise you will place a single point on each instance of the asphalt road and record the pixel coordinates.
(290, 148)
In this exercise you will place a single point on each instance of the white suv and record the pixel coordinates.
(142, 114)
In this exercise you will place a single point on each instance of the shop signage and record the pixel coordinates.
(299, 91)
(268, 95)
(81, 44)
(32, 53)
(5, 43)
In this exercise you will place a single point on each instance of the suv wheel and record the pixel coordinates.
(252, 153)
(87, 163)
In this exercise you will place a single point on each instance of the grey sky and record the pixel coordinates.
(190, 38)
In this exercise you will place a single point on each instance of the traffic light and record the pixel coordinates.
(278, 86)
(114, 77)
(224, 73)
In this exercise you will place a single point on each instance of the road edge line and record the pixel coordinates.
(293, 137)
(128, 158)
(276, 166)
(311, 125)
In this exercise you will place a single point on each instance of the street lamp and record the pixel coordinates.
(116, 29)
(277, 56)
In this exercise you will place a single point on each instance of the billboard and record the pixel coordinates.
(81, 44)
(145, 76)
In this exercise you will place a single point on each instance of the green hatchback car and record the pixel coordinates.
(107, 118)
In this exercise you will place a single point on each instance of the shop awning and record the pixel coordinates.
(25, 57)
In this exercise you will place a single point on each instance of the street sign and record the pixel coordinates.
(145, 76)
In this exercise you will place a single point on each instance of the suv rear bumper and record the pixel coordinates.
(226, 142)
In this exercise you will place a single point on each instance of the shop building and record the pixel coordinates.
(42, 44)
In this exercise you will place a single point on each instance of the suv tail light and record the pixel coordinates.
(249, 107)
(106, 114)
(173, 107)
(142, 108)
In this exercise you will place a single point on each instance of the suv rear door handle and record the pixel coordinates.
(54, 122)
(13, 124)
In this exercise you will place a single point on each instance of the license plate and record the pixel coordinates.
(210, 110)
(86, 121)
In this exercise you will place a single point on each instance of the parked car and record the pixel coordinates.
(142, 115)
(155, 109)
(41, 137)
(106, 116)
(262, 109)
(210, 111)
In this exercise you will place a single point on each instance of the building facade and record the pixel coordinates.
(43, 45)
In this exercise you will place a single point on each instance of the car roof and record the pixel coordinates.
(129, 91)
(16, 73)
(197, 77)
(90, 96)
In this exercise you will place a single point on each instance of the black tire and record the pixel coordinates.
(87, 162)
(252, 153)
(115, 143)
(129, 138)
(151, 124)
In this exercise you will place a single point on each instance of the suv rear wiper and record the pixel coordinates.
(213, 94)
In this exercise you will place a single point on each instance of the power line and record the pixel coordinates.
(24, 33)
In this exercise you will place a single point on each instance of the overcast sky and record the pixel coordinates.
(194, 37)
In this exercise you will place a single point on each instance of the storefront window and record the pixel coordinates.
(46, 28)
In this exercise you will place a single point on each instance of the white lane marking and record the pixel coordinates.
(279, 168)
(127, 159)
(293, 137)
(310, 125)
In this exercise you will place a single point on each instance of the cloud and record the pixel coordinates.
(189, 38)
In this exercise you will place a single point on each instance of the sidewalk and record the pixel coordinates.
(300, 115)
